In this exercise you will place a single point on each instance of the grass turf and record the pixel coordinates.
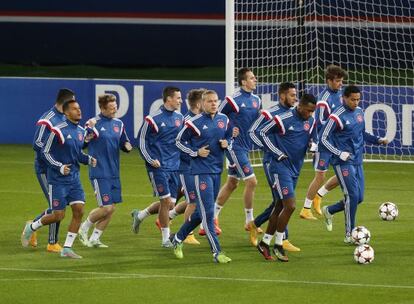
(135, 269)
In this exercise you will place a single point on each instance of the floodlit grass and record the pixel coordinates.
(135, 269)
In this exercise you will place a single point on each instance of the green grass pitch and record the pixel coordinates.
(135, 269)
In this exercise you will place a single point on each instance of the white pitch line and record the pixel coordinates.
(106, 275)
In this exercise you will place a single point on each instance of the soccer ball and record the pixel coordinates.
(364, 254)
(388, 211)
(360, 235)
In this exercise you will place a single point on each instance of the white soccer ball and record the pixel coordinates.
(364, 254)
(388, 211)
(360, 235)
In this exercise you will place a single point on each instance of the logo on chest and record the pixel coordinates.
(178, 122)
(254, 104)
(306, 126)
(359, 118)
(80, 136)
(220, 124)
(116, 128)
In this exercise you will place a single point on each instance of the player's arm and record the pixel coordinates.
(124, 142)
(148, 129)
(372, 139)
(313, 146)
(183, 139)
(333, 125)
(52, 142)
(91, 132)
(228, 105)
(273, 126)
(227, 141)
(255, 128)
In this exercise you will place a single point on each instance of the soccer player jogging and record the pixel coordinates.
(204, 138)
(45, 125)
(292, 132)
(287, 99)
(156, 140)
(344, 135)
(328, 101)
(108, 136)
(187, 207)
(242, 109)
(63, 153)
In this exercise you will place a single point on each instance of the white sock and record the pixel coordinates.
(172, 213)
(267, 238)
(308, 203)
(165, 234)
(70, 238)
(217, 209)
(96, 234)
(201, 226)
(36, 225)
(143, 214)
(249, 215)
(279, 238)
(322, 191)
(86, 224)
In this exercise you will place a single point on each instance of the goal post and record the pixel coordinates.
(295, 40)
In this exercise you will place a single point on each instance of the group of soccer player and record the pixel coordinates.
(184, 156)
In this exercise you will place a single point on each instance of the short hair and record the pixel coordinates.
(103, 100)
(351, 89)
(307, 99)
(194, 96)
(64, 95)
(169, 92)
(334, 71)
(65, 106)
(241, 74)
(208, 92)
(285, 86)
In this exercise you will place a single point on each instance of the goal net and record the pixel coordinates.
(296, 40)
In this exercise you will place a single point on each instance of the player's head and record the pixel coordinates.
(287, 94)
(334, 76)
(63, 96)
(210, 102)
(172, 97)
(352, 96)
(306, 106)
(72, 110)
(107, 104)
(247, 80)
(194, 98)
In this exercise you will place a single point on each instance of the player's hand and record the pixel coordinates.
(65, 169)
(236, 132)
(282, 157)
(93, 162)
(156, 163)
(345, 156)
(383, 141)
(91, 123)
(224, 143)
(128, 146)
(203, 151)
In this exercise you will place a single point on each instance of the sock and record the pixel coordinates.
(217, 209)
(96, 234)
(201, 226)
(172, 214)
(322, 191)
(279, 238)
(249, 215)
(143, 214)
(70, 238)
(165, 234)
(267, 238)
(36, 225)
(308, 203)
(86, 224)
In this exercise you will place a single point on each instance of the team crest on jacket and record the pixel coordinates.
(116, 128)
(360, 118)
(80, 136)
(220, 124)
(254, 104)
(105, 198)
(306, 126)
(285, 191)
(203, 186)
(55, 202)
(177, 122)
(345, 172)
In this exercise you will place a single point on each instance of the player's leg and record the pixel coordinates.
(188, 189)
(74, 225)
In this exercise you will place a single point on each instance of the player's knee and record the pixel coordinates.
(251, 182)
(59, 215)
(320, 176)
(232, 184)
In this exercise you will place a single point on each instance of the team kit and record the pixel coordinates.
(184, 157)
